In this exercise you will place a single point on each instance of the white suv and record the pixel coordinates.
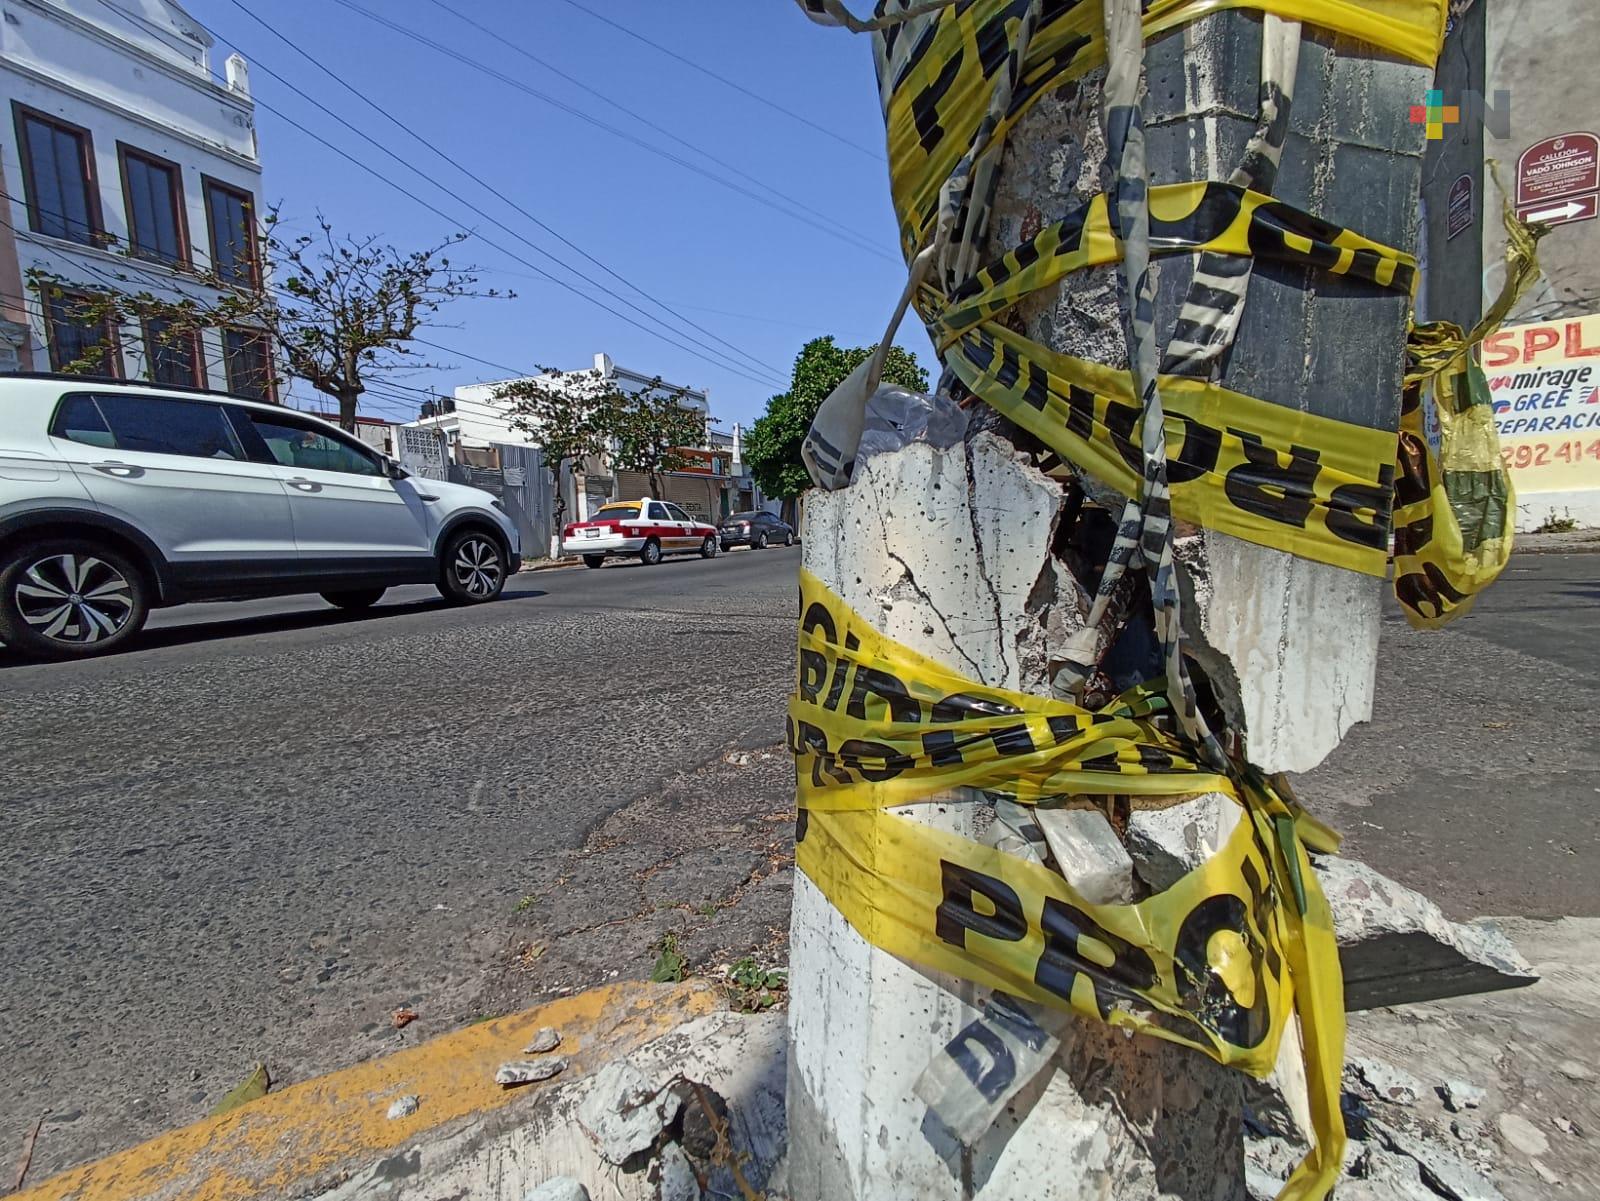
(117, 498)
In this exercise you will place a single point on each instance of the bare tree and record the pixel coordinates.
(338, 310)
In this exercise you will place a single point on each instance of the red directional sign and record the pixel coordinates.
(1562, 212)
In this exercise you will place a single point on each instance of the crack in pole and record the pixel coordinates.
(983, 567)
(911, 578)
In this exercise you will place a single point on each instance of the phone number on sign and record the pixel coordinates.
(1545, 454)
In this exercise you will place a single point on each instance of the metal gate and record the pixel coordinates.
(524, 486)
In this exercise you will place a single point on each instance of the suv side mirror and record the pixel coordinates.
(394, 471)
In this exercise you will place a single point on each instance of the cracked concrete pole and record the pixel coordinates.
(960, 555)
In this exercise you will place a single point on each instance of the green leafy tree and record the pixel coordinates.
(772, 447)
(570, 414)
(653, 428)
(577, 415)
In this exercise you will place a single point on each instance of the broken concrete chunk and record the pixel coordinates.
(1522, 1135)
(1459, 1095)
(528, 1071)
(1379, 1081)
(1167, 844)
(624, 1113)
(545, 1041)
(1397, 947)
(403, 1107)
(559, 1188)
(1443, 1172)
(1393, 1176)
(1545, 1174)
(677, 1179)
(1259, 1185)
(1015, 831)
(1275, 1156)
(1089, 854)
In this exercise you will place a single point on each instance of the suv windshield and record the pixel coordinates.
(616, 513)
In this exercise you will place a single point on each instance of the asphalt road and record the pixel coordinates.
(265, 827)
(258, 832)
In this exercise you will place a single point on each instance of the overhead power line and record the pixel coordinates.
(726, 82)
(648, 123)
(489, 187)
(857, 241)
(376, 174)
(438, 212)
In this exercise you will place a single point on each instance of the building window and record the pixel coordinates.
(78, 343)
(249, 363)
(231, 216)
(172, 358)
(154, 194)
(58, 176)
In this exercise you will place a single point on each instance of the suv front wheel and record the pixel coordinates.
(69, 598)
(472, 569)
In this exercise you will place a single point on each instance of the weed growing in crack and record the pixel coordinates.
(752, 988)
(671, 967)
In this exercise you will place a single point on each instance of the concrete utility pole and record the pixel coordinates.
(974, 557)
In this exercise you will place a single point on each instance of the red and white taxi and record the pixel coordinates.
(645, 528)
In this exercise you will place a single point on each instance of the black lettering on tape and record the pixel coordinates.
(810, 739)
(1268, 488)
(813, 674)
(875, 761)
(1063, 960)
(1198, 455)
(1350, 501)
(1427, 592)
(958, 912)
(1202, 991)
(872, 682)
(983, 1058)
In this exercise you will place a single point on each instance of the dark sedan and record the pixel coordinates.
(755, 530)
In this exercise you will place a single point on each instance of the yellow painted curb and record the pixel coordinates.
(309, 1133)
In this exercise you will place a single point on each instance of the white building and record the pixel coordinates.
(473, 421)
(128, 167)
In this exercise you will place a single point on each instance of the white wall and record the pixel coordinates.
(79, 62)
(480, 419)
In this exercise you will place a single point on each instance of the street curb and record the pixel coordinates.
(1575, 548)
(313, 1135)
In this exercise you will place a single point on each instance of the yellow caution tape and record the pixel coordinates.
(1272, 475)
(1217, 962)
(1316, 487)
(938, 93)
(1455, 508)
(1220, 960)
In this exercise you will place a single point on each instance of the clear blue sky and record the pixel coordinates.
(755, 277)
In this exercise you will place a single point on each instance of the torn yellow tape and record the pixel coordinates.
(1217, 962)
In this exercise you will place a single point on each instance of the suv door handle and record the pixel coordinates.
(304, 484)
(124, 471)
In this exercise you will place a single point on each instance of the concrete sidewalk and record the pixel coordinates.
(323, 1133)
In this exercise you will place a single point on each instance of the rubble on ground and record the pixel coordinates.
(404, 1107)
(560, 1188)
(528, 1071)
(544, 1042)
